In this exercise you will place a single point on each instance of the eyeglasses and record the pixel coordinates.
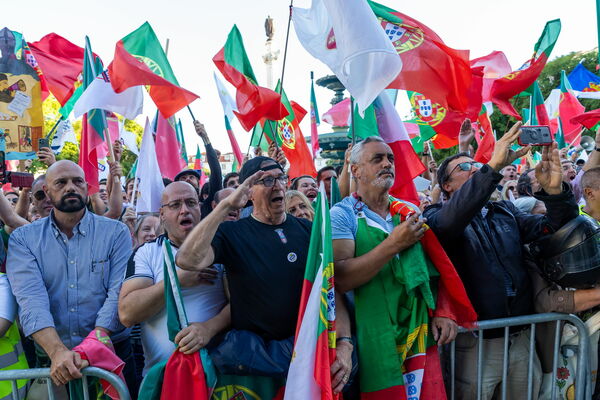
(14, 200)
(175, 205)
(39, 195)
(269, 181)
(466, 166)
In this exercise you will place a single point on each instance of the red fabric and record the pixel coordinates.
(253, 102)
(443, 142)
(184, 378)
(235, 147)
(588, 119)
(432, 68)
(167, 148)
(61, 63)
(98, 350)
(298, 153)
(314, 132)
(568, 108)
(126, 71)
(514, 83)
(433, 380)
(542, 114)
(453, 301)
(394, 392)
(486, 144)
(495, 66)
(324, 358)
(88, 154)
(407, 166)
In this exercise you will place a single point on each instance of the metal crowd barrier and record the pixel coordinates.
(34, 373)
(583, 386)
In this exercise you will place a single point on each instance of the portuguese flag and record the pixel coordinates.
(512, 84)
(568, 108)
(289, 137)
(93, 123)
(309, 376)
(538, 113)
(253, 102)
(485, 145)
(140, 60)
(428, 65)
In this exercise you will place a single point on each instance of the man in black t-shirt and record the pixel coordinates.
(264, 257)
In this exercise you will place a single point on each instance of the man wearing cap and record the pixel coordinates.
(264, 257)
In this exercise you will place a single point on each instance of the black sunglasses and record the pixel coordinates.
(39, 195)
(466, 166)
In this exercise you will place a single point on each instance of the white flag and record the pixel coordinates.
(227, 101)
(150, 184)
(100, 94)
(64, 133)
(346, 35)
(129, 139)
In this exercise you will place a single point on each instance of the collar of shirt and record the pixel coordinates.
(82, 226)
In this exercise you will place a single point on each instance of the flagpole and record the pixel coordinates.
(111, 152)
(352, 119)
(49, 135)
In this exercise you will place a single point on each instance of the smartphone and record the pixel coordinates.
(43, 142)
(535, 135)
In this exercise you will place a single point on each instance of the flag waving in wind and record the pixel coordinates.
(140, 60)
(346, 36)
(253, 102)
(229, 107)
(309, 376)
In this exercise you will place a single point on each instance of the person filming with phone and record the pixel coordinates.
(484, 239)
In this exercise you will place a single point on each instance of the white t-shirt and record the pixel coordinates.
(8, 304)
(202, 302)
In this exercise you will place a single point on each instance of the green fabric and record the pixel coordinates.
(144, 45)
(525, 114)
(246, 387)
(536, 100)
(365, 126)
(68, 107)
(92, 67)
(389, 307)
(181, 140)
(270, 126)
(152, 384)
(235, 55)
(334, 196)
(258, 139)
(560, 136)
(546, 42)
(426, 132)
(5, 237)
(384, 12)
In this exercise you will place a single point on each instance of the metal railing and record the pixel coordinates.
(583, 387)
(35, 373)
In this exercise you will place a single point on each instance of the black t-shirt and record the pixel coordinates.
(265, 268)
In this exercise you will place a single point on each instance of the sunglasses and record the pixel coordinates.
(269, 181)
(39, 195)
(466, 166)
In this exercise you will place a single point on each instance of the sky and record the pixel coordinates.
(198, 29)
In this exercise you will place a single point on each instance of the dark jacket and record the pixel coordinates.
(486, 251)
(215, 183)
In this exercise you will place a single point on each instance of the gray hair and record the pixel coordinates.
(358, 148)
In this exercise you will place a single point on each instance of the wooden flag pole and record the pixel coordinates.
(352, 120)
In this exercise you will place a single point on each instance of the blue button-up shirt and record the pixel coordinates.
(71, 284)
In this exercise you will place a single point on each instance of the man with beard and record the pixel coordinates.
(307, 185)
(66, 273)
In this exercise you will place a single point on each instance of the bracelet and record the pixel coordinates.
(425, 154)
(345, 339)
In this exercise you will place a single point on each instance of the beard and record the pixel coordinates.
(67, 206)
(384, 182)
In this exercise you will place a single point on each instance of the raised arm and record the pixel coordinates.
(344, 178)
(216, 175)
(115, 197)
(196, 252)
(11, 219)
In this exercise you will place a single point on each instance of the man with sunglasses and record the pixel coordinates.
(484, 241)
(265, 258)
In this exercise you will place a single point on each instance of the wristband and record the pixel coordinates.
(597, 149)
(345, 339)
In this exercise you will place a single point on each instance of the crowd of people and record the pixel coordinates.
(75, 264)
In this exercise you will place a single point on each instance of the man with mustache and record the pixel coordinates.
(66, 273)
(393, 281)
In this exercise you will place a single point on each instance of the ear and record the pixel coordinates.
(588, 193)
(447, 187)
(354, 170)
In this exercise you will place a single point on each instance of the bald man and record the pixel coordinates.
(66, 273)
(142, 299)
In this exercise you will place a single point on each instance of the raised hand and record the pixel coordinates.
(548, 172)
(240, 196)
(503, 155)
(466, 135)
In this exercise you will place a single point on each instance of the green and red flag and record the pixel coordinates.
(93, 124)
(428, 65)
(198, 166)
(589, 119)
(184, 376)
(140, 60)
(441, 120)
(538, 114)
(512, 84)
(309, 376)
(181, 141)
(568, 108)
(168, 148)
(289, 137)
(253, 102)
(61, 63)
(314, 119)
